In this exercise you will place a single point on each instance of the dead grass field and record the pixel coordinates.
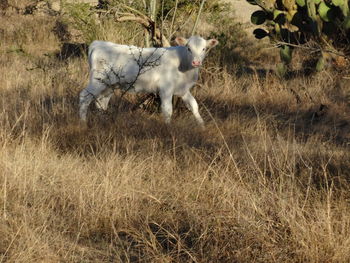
(266, 181)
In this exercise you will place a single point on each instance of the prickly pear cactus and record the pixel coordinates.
(295, 22)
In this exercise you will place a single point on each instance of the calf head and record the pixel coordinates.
(197, 48)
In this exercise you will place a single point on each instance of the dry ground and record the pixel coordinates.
(266, 181)
(242, 12)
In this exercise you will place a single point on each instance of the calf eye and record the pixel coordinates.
(189, 50)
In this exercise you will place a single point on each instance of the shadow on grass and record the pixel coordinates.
(72, 50)
(122, 131)
(319, 120)
(122, 122)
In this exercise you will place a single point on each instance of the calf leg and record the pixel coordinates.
(103, 100)
(166, 106)
(87, 95)
(85, 99)
(192, 105)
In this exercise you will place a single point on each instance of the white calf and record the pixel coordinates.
(166, 71)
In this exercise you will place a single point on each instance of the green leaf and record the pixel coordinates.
(337, 2)
(286, 54)
(276, 13)
(281, 69)
(279, 17)
(300, 3)
(258, 17)
(346, 23)
(345, 9)
(324, 12)
(278, 29)
(252, 2)
(260, 33)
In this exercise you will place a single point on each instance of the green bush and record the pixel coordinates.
(324, 23)
(83, 18)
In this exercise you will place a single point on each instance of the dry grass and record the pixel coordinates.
(266, 181)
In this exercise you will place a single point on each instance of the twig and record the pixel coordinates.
(173, 19)
(197, 19)
(319, 49)
(182, 25)
(148, 24)
(144, 64)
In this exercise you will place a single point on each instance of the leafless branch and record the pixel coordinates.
(149, 25)
(182, 25)
(197, 18)
(174, 15)
(311, 48)
(113, 76)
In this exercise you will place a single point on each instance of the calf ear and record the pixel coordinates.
(181, 41)
(212, 42)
